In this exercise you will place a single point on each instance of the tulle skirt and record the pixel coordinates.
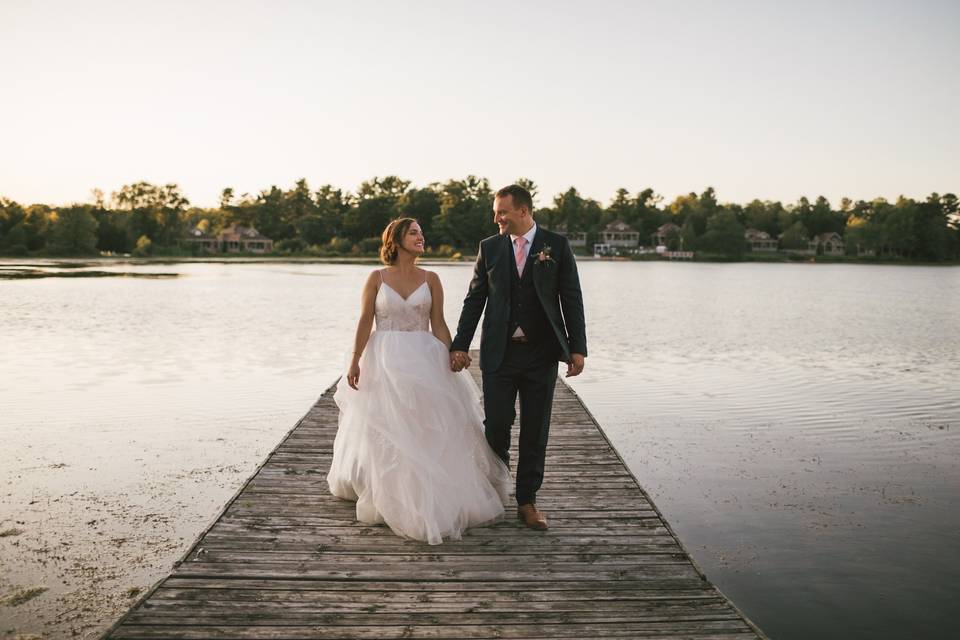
(410, 448)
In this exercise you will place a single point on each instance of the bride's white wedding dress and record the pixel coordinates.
(410, 447)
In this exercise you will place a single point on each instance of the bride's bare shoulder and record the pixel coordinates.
(375, 279)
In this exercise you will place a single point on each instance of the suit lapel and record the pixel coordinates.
(506, 256)
(535, 247)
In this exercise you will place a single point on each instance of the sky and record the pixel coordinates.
(771, 100)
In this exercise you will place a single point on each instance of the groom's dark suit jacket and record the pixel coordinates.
(555, 286)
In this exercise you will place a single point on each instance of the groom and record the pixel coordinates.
(527, 278)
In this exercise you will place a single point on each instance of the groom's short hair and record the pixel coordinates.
(521, 197)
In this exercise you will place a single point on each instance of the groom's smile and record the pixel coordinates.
(510, 218)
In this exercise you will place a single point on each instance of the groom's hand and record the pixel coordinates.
(459, 360)
(575, 365)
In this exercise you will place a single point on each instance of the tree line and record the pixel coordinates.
(144, 218)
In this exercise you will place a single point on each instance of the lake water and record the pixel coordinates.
(797, 424)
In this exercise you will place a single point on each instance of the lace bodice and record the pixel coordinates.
(393, 313)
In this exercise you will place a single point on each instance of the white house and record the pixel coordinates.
(620, 234)
(760, 240)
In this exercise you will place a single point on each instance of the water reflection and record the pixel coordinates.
(798, 426)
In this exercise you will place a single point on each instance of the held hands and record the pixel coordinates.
(575, 365)
(459, 360)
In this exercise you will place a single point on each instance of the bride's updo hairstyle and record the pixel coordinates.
(392, 237)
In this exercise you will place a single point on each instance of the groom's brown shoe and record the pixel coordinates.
(532, 517)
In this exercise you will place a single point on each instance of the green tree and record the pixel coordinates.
(422, 205)
(649, 216)
(570, 210)
(312, 231)
(14, 242)
(36, 226)
(724, 235)
(144, 247)
(466, 213)
(332, 208)
(764, 216)
(13, 235)
(821, 218)
(377, 203)
(547, 217)
(860, 236)
(154, 211)
(339, 245)
(951, 206)
(687, 238)
(11, 214)
(74, 231)
(795, 237)
(694, 208)
(622, 207)
(577, 212)
(111, 226)
(247, 212)
(265, 214)
(226, 198)
(294, 213)
(707, 202)
(932, 228)
(899, 229)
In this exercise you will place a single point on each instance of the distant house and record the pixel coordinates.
(203, 239)
(575, 238)
(829, 244)
(620, 234)
(664, 232)
(760, 240)
(233, 239)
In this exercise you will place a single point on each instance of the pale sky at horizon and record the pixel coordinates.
(769, 100)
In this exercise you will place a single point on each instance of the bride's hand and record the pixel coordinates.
(353, 376)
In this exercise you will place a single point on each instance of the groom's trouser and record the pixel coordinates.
(530, 370)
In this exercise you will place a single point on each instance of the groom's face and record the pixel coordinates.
(510, 218)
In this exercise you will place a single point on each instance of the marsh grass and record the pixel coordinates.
(25, 274)
(22, 596)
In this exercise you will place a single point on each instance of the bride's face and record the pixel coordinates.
(413, 240)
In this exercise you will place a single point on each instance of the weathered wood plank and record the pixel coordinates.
(413, 585)
(285, 559)
(460, 599)
(288, 613)
(704, 630)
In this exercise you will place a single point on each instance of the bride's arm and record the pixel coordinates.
(364, 326)
(437, 324)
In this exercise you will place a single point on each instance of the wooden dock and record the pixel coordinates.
(285, 559)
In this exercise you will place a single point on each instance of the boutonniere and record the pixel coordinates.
(545, 257)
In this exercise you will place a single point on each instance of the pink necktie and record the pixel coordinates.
(520, 242)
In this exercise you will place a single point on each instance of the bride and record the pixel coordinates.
(410, 448)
